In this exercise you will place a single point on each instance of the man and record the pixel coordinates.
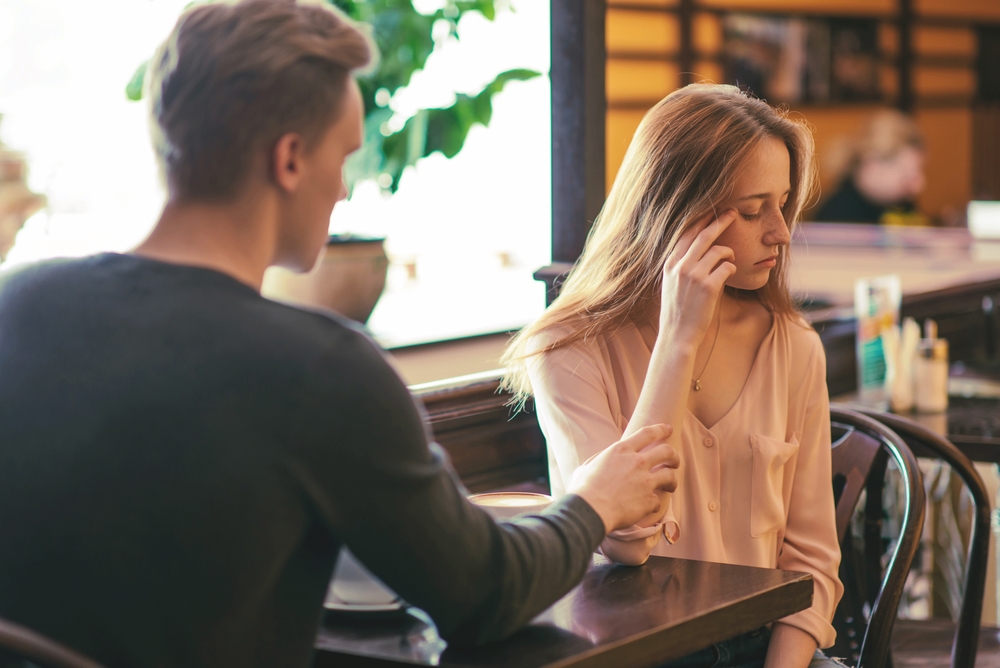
(181, 459)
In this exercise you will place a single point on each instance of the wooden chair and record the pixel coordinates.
(19, 642)
(926, 443)
(862, 448)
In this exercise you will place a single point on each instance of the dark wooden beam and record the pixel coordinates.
(578, 119)
(686, 51)
(905, 22)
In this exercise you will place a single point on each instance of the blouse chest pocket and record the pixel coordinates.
(771, 478)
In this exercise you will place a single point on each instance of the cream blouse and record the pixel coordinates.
(753, 489)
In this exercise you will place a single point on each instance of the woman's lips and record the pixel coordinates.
(769, 262)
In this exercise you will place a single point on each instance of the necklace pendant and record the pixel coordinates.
(697, 385)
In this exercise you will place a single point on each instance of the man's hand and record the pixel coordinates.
(625, 482)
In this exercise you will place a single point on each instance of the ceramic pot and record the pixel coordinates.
(348, 278)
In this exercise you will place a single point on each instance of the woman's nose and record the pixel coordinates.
(777, 233)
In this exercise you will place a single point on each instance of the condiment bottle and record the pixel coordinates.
(930, 371)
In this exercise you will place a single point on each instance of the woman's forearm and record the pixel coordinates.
(663, 400)
(664, 395)
(790, 647)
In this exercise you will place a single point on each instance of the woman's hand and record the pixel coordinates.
(693, 278)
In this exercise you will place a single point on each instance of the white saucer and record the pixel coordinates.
(340, 606)
(354, 589)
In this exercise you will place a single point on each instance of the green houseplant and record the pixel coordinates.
(406, 38)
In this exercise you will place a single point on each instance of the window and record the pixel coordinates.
(463, 235)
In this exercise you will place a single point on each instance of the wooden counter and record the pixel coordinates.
(944, 273)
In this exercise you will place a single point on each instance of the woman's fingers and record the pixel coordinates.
(717, 279)
(704, 240)
(715, 256)
(687, 238)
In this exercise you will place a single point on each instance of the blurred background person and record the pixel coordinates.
(880, 172)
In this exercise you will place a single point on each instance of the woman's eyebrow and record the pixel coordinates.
(762, 196)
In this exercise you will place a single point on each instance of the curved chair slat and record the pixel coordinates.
(24, 642)
(924, 441)
(875, 646)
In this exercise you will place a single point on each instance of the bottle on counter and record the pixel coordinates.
(930, 371)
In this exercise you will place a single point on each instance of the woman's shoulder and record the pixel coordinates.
(550, 339)
(800, 338)
(565, 337)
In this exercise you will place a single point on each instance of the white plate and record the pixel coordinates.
(354, 586)
(340, 606)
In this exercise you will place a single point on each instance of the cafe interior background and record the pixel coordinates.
(465, 235)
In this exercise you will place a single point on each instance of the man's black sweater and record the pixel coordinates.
(181, 460)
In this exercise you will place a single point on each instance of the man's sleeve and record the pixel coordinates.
(361, 454)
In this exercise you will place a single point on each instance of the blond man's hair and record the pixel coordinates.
(233, 77)
(681, 166)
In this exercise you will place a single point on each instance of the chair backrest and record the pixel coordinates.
(862, 448)
(25, 643)
(926, 443)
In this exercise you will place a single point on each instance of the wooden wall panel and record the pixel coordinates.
(621, 126)
(943, 76)
(888, 38)
(986, 148)
(949, 159)
(854, 7)
(645, 3)
(708, 71)
(889, 81)
(945, 41)
(638, 81)
(641, 32)
(707, 34)
(933, 81)
(968, 9)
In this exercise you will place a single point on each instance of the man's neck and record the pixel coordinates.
(237, 238)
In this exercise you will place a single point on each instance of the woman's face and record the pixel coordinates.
(759, 231)
(893, 180)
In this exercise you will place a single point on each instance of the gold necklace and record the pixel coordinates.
(697, 381)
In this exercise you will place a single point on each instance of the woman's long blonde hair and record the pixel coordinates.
(681, 165)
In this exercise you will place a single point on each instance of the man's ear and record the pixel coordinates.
(286, 161)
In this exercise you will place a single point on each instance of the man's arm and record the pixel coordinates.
(361, 455)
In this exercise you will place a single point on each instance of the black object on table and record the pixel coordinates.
(627, 617)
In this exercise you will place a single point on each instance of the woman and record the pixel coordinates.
(880, 172)
(678, 312)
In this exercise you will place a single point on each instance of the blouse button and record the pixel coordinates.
(708, 442)
(712, 505)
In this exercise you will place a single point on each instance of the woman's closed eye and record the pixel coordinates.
(750, 216)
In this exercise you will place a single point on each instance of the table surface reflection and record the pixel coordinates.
(617, 616)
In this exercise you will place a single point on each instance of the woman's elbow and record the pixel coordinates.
(626, 555)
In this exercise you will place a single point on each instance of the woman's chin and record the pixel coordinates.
(754, 281)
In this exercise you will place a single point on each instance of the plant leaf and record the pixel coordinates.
(443, 130)
(133, 90)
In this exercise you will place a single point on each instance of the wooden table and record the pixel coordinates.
(626, 617)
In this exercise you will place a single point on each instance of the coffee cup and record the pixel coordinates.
(507, 505)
